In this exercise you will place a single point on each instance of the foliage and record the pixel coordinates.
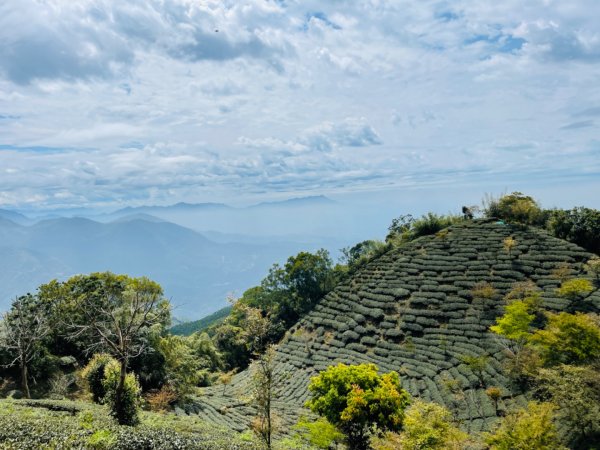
(162, 399)
(356, 399)
(93, 374)
(593, 267)
(508, 244)
(515, 322)
(319, 433)
(531, 428)
(516, 207)
(429, 426)
(189, 328)
(123, 407)
(23, 328)
(579, 225)
(477, 365)
(284, 295)
(182, 366)
(575, 288)
(405, 228)
(358, 255)
(483, 290)
(568, 339)
(45, 425)
(264, 384)
(576, 392)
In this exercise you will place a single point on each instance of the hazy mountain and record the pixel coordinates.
(14, 217)
(195, 272)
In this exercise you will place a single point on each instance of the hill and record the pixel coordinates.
(421, 310)
(195, 272)
(188, 328)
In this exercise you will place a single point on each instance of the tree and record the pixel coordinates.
(357, 400)
(568, 339)
(429, 426)
(531, 428)
(515, 207)
(24, 326)
(264, 385)
(575, 289)
(121, 313)
(354, 257)
(579, 225)
(514, 324)
(576, 392)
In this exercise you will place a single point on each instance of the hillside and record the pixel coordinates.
(196, 273)
(414, 310)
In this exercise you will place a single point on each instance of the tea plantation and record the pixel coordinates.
(424, 310)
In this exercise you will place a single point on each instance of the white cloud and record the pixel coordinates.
(103, 101)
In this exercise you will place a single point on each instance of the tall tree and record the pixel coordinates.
(24, 326)
(121, 313)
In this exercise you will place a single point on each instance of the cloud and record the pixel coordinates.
(578, 125)
(51, 39)
(104, 101)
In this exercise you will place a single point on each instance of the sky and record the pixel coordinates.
(108, 103)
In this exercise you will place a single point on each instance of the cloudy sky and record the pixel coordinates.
(109, 103)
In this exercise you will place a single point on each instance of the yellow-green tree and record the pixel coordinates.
(530, 428)
(568, 338)
(357, 400)
(429, 426)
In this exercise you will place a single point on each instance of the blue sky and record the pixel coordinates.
(105, 103)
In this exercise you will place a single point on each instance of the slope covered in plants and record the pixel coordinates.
(423, 309)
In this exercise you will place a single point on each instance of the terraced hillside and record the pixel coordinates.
(421, 310)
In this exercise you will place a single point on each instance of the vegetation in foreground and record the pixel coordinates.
(57, 425)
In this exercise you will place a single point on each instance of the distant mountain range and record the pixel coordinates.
(197, 272)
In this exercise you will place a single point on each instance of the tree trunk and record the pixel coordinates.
(24, 382)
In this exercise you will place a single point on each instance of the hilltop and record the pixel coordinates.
(422, 309)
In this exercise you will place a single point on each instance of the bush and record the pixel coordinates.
(529, 428)
(575, 288)
(578, 225)
(568, 339)
(126, 412)
(93, 375)
(517, 208)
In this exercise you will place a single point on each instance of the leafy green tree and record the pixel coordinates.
(515, 322)
(24, 326)
(122, 314)
(182, 366)
(429, 426)
(576, 392)
(579, 225)
(568, 339)
(357, 400)
(531, 428)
